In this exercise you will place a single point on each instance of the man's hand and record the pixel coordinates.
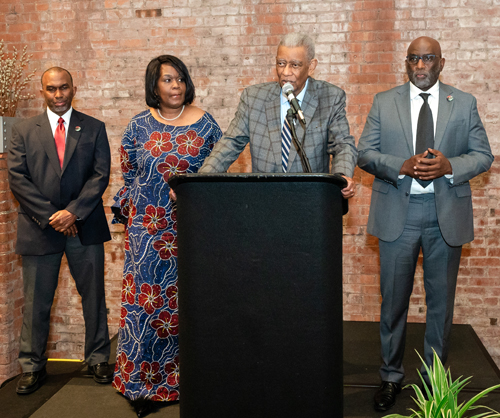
(432, 168)
(172, 195)
(349, 190)
(409, 166)
(420, 167)
(63, 221)
(71, 231)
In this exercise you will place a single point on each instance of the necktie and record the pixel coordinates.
(425, 131)
(60, 138)
(286, 141)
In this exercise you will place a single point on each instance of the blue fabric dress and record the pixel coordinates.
(147, 363)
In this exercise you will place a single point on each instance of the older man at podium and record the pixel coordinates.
(261, 121)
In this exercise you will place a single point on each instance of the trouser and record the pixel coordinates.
(40, 277)
(398, 260)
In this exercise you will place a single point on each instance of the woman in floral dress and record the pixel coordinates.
(172, 137)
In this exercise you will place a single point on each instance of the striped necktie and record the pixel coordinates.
(286, 142)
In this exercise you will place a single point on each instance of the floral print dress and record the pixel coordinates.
(147, 363)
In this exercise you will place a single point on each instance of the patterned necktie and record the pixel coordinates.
(60, 138)
(425, 132)
(286, 142)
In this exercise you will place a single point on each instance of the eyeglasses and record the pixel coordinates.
(427, 58)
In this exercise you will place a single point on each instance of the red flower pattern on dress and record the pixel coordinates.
(189, 143)
(172, 166)
(166, 246)
(128, 289)
(172, 372)
(171, 293)
(123, 315)
(125, 366)
(154, 219)
(158, 143)
(132, 212)
(125, 161)
(163, 394)
(127, 241)
(173, 216)
(150, 374)
(166, 324)
(118, 385)
(150, 298)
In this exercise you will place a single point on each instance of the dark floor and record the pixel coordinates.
(69, 393)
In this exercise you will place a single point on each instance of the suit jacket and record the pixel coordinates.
(387, 142)
(42, 188)
(257, 121)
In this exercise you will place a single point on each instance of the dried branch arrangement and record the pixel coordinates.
(12, 82)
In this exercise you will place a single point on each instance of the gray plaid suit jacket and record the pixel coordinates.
(257, 121)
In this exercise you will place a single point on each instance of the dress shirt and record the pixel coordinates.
(416, 103)
(53, 120)
(285, 104)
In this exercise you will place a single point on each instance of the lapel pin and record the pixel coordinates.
(78, 129)
(449, 98)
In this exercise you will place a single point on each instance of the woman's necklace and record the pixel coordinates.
(169, 120)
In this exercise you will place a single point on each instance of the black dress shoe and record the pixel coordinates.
(102, 372)
(385, 397)
(31, 381)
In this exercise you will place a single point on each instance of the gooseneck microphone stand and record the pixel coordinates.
(306, 167)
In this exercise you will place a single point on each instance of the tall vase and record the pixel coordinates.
(6, 123)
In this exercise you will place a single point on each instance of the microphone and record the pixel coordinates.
(288, 93)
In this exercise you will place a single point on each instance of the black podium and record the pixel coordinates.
(260, 295)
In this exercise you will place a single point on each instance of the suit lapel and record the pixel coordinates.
(444, 111)
(273, 114)
(72, 137)
(46, 138)
(404, 113)
(308, 106)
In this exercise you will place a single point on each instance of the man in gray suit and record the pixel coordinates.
(260, 118)
(423, 141)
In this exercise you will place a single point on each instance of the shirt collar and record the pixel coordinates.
(415, 91)
(300, 96)
(54, 118)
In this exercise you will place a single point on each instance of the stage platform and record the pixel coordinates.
(70, 393)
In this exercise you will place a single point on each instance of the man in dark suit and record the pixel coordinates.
(260, 120)
(423, 141)
(59, 165)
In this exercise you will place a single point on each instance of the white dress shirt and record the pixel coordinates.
(53, 120)
(416, 103)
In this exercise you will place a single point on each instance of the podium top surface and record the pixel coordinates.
(258, 177)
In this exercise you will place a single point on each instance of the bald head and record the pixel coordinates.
(425, 41)
(56, 70)
(424, 62)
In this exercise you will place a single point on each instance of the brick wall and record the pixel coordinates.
(231, 44)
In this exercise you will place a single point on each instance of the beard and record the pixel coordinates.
(432, 76)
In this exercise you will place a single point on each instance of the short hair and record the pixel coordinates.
(292, 40)
(153, 73)
(57, 70)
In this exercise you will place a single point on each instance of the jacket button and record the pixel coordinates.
(407, 194)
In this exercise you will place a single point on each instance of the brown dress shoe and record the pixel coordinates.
(102, 372)
(385, 397)
(31, 381)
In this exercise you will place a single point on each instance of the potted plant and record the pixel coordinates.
(440, 399)
(12, 84)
